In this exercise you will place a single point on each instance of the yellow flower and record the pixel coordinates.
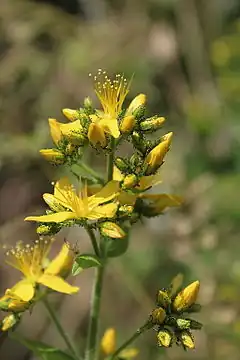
(72, 131)
(155, 157)
(187, 297)
(111, 94)
(30, 261)
(79, 206)
(96, 132)
(11, 302)
(108, 345)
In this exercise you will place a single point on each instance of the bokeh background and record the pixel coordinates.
(185, 55)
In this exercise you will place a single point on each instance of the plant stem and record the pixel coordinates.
(91, 348)
(139, 332)
(93, 240)
(92, 172)
(59, 327)
(110, 159)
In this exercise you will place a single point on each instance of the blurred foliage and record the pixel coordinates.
(185, 55)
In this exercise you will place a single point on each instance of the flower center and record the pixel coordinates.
(111, 92)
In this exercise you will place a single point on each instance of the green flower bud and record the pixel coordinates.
(163, 298)
(183, 324)
(9, 321)
(112, 230)
(87, 103)
(121, 164)
(152, 124)
(158, 316)
(164, 338)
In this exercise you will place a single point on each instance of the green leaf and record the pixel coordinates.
(117, 247)
(85, 261)
(42, 350)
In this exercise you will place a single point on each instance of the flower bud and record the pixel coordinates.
(163, 299)
(126, 209)
(87, 103)
(164, 338)
(187, 340)
(195, 325)
(127, 124)
(96, 135)
(130, 181)
(138, 101)
(152, 124)
(137, 140)
(54, 156)
(121, 164)
(155, 157)
(70, 114)
(50, 229)
(108, 342)
(112, 230)
(186, 297)
(9, 321)
(183, 324)
(158, 316)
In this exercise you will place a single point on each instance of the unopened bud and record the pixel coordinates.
(183, 324)
(195, 325)
(152, 124)
(108, 342)
(87, 103)
(70, 114)
(112, 230)
(121, 164)
(157, 154)
(127, 124)
(187, 340)
(164, 338)
(48, 229)
(9, 321)
(158, 316)
(186, 297)
(137, 102)
(54, 156)
(126, 209)
(130, 181)
(163, 298)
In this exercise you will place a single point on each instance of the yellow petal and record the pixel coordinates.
(62, 263)
(117, 175)
(55, 130)
(148, 181)
(103, 211)
(96, 134)
(110, 126)
(70, 114)
(57, 283)
(71, 129)
(53, 155)
(162, 201)
(24, 289)
(57, 217)
(107, 193)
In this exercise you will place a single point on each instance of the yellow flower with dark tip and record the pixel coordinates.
(108, 345)
(30, 260)
(72, 205)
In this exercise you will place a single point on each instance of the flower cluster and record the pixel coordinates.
(170, 317)
(106, 207)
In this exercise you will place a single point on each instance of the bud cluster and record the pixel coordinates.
(170, 317)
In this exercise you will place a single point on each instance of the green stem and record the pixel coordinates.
(139, 332)
(93, 240)
(91, 172)
(91, 348)
(110, 159)
(59, 327)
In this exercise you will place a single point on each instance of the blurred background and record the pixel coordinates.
(185, 55)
